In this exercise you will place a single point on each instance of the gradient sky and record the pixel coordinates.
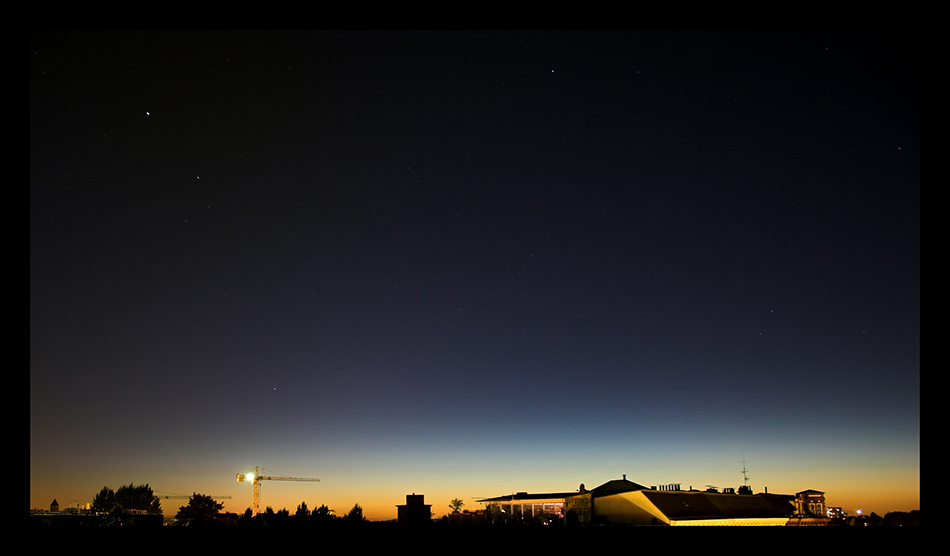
(468, 264)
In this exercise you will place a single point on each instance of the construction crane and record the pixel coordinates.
(256, 479)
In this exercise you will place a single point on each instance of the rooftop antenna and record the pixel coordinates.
(745, 477)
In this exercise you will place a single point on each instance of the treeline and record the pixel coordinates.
(890, 519)
(203, 511)
(130, 499)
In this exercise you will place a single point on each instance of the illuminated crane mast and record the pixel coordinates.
(256, 479)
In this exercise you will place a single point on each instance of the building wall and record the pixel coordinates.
(578, 508)
(758, 521)
(635, 508)
(810, 503)
(627, 508)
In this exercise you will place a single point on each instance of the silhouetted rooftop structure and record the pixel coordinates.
(625, 502)
(415, 511)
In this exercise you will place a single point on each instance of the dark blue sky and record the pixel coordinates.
(387, 254)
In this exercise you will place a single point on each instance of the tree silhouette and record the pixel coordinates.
(128, 499)
(302, 516)
(104, 501)
(355, 515)
(321, 515)
(201, 510)
(456, 504)
(268, 515)
(137, 497)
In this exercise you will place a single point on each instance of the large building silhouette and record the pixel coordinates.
(624, 502)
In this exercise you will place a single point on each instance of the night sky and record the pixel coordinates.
(469, 264)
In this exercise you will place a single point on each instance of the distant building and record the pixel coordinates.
(572, 507)
(681, 507)
(54, 506)
(580, 507)
(810, 509)
(623, 502)
(465, 517)
(617, 486)
(522, 506)
(415, 511)
(810, 503)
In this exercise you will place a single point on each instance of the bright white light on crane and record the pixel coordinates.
(250, 477)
